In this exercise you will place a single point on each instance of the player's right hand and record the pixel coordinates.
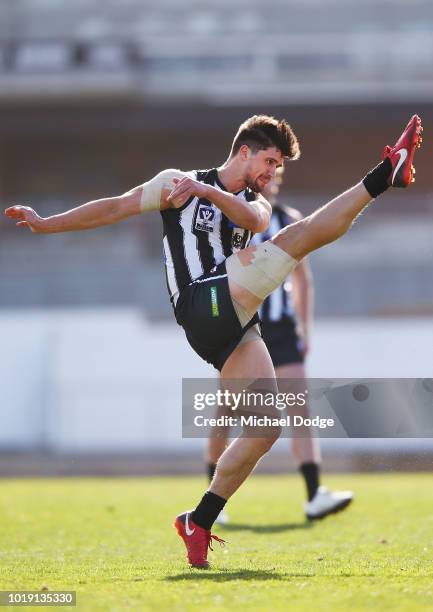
(185, 188)
(25, 217)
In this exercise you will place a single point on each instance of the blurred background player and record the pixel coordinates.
(286, 317)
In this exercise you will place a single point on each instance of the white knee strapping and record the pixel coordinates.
(269, 268)
(151, 193)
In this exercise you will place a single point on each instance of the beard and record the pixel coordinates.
(254, 184)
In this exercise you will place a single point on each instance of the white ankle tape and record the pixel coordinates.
(269, 268)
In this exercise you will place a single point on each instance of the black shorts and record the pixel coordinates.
(205, 311)
(283, 342)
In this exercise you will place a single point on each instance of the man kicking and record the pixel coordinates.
(216, 281)
(286, 320)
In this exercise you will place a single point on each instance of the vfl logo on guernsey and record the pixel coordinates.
(205, 219)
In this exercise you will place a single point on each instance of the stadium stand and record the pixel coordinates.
(93, 102)
(170, 49)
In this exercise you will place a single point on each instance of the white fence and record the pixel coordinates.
(110, 381)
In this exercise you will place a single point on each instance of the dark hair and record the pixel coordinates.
(261, 132)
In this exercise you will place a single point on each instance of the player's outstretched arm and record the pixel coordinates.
(106, 211)
(96, 213)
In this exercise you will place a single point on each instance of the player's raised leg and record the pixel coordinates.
(255, 272)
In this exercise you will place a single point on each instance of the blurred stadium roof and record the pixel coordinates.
(220, 53)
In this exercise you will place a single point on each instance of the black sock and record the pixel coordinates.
(208, 509)
(310, 472)
(211, 467)
(376, 181)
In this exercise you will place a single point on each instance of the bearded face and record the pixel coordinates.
(262, 167)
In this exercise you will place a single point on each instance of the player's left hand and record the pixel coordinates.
(185, 188)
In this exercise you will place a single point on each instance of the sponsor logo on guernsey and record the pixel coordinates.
(205, 220)
(214, 302)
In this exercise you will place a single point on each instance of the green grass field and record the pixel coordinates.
(112, 542)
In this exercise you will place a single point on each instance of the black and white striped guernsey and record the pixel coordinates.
(278, 304)
(198, 236)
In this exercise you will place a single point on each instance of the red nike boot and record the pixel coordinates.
(402, 153)
(197, 540)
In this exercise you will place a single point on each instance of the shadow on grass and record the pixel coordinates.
(227, 576)
(265, 528)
